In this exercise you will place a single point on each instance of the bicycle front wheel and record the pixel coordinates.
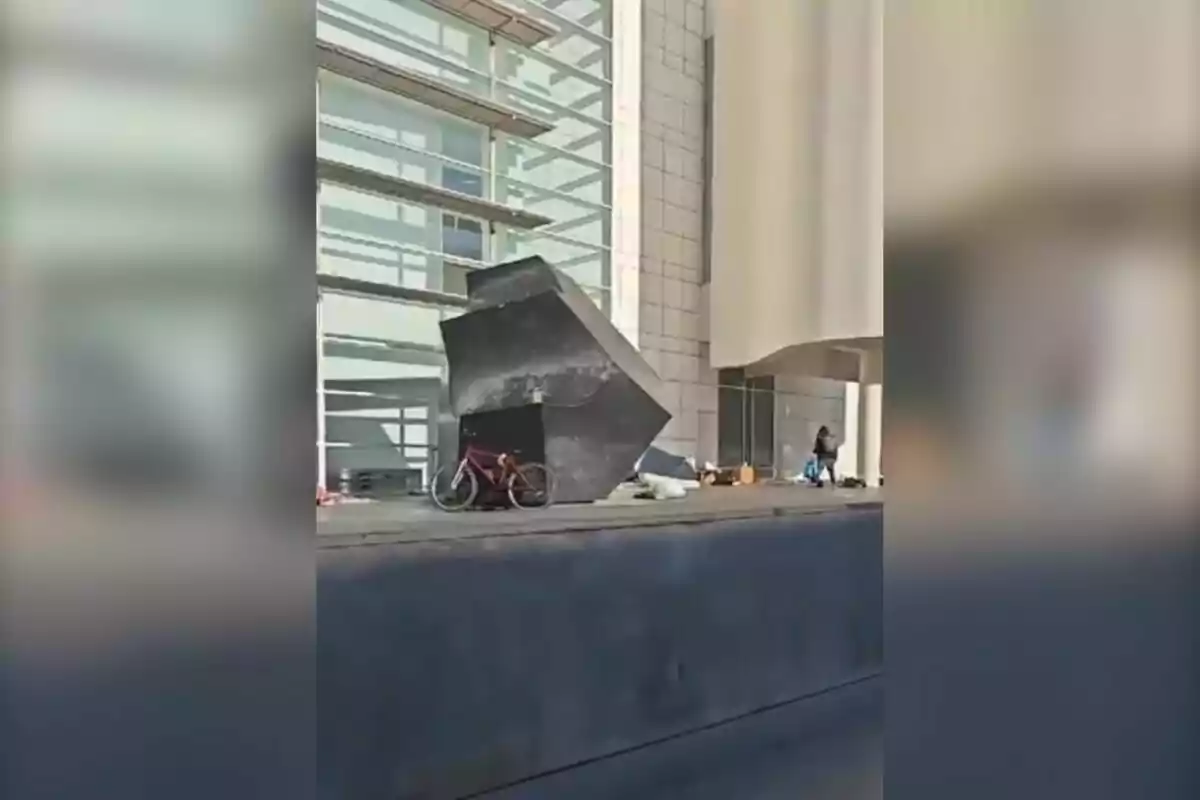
(454, 488)
(531, 486)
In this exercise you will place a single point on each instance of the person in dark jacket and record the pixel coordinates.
(825, 448)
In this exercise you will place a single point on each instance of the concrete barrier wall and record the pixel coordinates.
(827, 747)
(448, 669)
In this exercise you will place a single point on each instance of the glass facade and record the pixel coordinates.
(771, 422)
(745, 420)
(382, 386)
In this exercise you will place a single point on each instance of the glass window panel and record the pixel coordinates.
(390, 135)
(363, 108)
(352, 148)
(462, 181)
(731, 433)
(380, 318)
(416, 434)
(377, 239)
(367, 261)
(382, 415)
(377, 471)
(601, 297)
(532, 72)
(581, 223)
(463, 237)
(588, 137)
(389, 241)
(586, 53)
(380, 404)
(409, 34)
(454, 280)
(532, 164)
(590, 272)
(593, 16)
(745, 419)
(587, 265)
(361, 237)
(463, 142)
(762, 428)
(362, 429)
(369, 363)
(731, 377)
(762, 382)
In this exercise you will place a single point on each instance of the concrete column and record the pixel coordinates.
(625, 256)
(870, 422)
(848, 454)
(322, 458)
(321, 455)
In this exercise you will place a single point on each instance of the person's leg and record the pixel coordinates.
(833, 473)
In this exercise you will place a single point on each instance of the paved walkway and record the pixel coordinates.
(417, 520)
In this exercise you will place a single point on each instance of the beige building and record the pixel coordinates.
(796, 285)
(761, 293)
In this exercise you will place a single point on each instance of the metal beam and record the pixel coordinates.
(426, 194)
(549, 156)
(575, 25)
(428, 91)
(595, 16)
(581, 103)
(342, 283)
(599, 54)
(576, 222)
(500, 19)
(579, 183)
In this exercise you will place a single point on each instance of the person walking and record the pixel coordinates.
(825, 448)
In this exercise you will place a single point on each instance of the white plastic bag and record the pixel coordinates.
(664, 488)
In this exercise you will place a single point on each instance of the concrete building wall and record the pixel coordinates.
(682, 274)
(796, 183)
(795, 214)
(672, 335)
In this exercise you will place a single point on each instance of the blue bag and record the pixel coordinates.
(812, 469)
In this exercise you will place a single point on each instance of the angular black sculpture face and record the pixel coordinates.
(533, 338)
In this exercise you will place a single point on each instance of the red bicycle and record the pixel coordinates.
(456, 487)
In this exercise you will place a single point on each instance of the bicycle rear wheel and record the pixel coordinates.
(454, 487)
(531, 486)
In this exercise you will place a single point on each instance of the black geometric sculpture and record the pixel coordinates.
(538, 370)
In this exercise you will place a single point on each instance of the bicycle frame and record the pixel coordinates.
(491, 476)
(474, 458)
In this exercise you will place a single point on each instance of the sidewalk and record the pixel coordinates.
(413, 520)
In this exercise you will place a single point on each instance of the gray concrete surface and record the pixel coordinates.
(827, 747)
(641, 662)
(417, 520)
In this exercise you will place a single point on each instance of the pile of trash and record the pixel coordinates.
(811, 476)
(664, 476)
